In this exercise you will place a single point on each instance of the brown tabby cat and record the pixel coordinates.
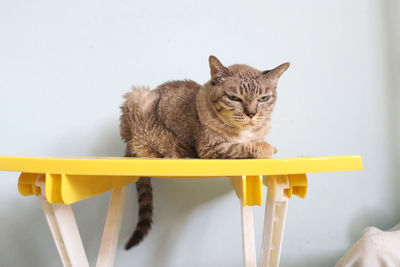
(226, 118)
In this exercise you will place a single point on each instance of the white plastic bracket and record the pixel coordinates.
(64, 229)
(249, 246)
(109, 242)
(274, 220)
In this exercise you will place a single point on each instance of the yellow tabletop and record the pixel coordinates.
(179, 167)
(68, 180)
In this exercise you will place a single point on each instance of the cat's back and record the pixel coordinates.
(185, 89)
(177, 108)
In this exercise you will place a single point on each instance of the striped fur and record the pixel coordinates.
(224, 118)
(145, 201)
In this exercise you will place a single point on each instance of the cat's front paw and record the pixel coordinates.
(264, 150)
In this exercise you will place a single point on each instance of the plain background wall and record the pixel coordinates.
(64, 66)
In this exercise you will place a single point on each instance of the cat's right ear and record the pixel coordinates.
(217, 70)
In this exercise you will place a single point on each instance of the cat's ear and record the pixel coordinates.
(217, 70)
(277, 72)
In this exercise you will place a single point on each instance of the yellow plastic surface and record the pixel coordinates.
(26, 184)
(77, 187)
(71, 179)
(68, 189)
(252, 190)
(298, 185)
(180, 167)
(249, 189)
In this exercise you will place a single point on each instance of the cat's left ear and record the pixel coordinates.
(276, 72)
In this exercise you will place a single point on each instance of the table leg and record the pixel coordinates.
(249, 248)
(109, 242)
(274, 220)
(61, 220)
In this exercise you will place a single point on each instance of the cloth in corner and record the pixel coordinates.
(375, 248)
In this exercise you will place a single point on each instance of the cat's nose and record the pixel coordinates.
(251, 115)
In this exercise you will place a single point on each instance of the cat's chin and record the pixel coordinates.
(251, 123)
(247, 126)
(242, 125)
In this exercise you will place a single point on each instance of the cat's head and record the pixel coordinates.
(242, 96)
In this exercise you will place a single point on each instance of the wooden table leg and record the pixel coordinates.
(61, 220)
(109, 242)
(240, 185)
(249, 247)
(274, 220)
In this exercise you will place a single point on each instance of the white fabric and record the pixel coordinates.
(376, 248)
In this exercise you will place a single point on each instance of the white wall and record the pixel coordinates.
(65, 65)
(391, 12)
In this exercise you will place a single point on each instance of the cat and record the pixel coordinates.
(226, 118)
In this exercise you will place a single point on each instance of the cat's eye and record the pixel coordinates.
(264, 98)
(234, 98)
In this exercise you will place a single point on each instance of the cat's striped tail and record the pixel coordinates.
(145, 200)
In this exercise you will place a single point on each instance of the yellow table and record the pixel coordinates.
(59, 182)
